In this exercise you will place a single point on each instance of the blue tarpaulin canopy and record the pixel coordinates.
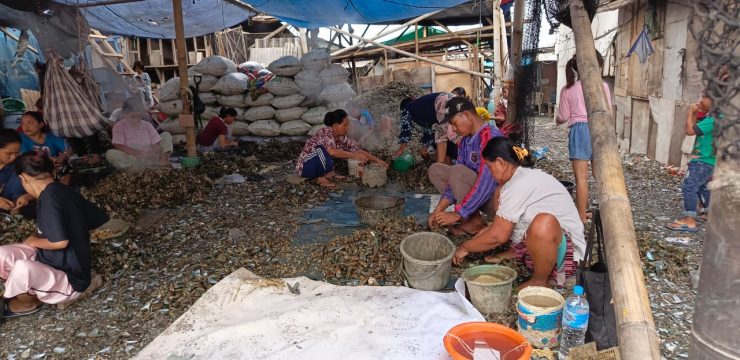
(317, 13)
(154, 18)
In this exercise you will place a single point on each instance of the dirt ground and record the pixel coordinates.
(181, 245)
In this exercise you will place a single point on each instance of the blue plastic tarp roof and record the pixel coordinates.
(318, 13)
(154, 18)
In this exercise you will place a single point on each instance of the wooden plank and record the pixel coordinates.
(677, 21)
(661, 130)
(623, 122)
(678, 133)
(640, 126)
(10, 35)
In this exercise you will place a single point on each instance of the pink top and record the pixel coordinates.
(141, 137)
(573, 105)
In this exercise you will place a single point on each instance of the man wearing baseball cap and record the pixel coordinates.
(468, 184)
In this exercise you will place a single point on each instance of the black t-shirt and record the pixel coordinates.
(63, 214)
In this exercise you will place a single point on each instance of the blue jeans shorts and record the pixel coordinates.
(579, 142)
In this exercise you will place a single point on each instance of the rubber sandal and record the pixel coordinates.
(7, 313)
(701, 218)
(681, 228)
(455, 230)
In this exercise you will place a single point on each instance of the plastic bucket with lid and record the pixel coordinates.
(489, 287)
(540, 311)
(510, 345)
(427, 260)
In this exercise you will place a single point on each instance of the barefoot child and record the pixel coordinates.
(315, 161)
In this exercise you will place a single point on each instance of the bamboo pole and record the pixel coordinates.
(516, 57)
(406, 53)
(186, 116)
(498, 60)
(462, 34)
(416, 42)
(386, 32)
(635, 328)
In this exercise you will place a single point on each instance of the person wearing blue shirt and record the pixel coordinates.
(12, 196)
(34, 136)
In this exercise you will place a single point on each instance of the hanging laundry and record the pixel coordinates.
(642, 46)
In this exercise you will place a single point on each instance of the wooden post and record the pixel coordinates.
(516, 58)
(498, 61)
(186, 116)
(406, 53)
(635, 328)
(416, 42)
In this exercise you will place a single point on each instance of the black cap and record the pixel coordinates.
(455, 106)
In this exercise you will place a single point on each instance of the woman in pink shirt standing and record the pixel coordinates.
(573, 111)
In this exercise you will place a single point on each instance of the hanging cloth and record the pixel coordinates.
(68, 109)
(81, 75)
(642, 46)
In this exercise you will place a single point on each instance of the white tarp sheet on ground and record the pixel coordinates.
(245, 317)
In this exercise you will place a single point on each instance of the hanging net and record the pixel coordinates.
(526, 79)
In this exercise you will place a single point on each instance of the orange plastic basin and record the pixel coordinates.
(510, 344)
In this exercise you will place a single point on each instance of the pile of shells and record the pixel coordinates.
(14, 229)
(369, 256)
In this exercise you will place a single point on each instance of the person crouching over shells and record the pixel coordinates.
(52, 266)
(535, 215)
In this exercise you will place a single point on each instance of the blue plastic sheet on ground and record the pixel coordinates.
(337, 215)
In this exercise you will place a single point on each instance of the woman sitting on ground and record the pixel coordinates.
(13, 198)
(534, 212)
(216, 136)
(52, 266)
(315, 162)
(136, 142)
(36, 135)
(467, 184)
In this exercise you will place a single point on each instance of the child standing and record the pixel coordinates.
(701, 165)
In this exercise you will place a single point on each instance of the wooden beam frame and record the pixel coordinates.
(386, 32)
(414, 56)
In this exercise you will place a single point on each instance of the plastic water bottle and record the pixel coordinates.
(540, 153)
(575, 322)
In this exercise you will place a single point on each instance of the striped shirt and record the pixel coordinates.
(469, 153)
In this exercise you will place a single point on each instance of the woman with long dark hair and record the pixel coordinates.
(573, 111)
(53, 265)
(534, 215)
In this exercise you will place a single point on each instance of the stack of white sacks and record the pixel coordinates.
(297, 97)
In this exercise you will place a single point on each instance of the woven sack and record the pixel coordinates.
(172, 126)
(282, 86)
(259, 113)
(239, 128)
(262, 100)
(215, 65)
(265, 128)
(171, 108)
(206, 82)
(295, 128)
(285, 66)
(337, 93)
(208, 98)
(232, 84)
(333, 75)
(315, 115)
(316, 60)
(286, 102)
(170, 90)
(233, 100)
(285, 115)
(210, 112)
(315, 129)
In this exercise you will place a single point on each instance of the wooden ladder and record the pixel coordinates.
(113, 59)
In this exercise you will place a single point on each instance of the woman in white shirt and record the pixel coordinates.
(535, 215)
